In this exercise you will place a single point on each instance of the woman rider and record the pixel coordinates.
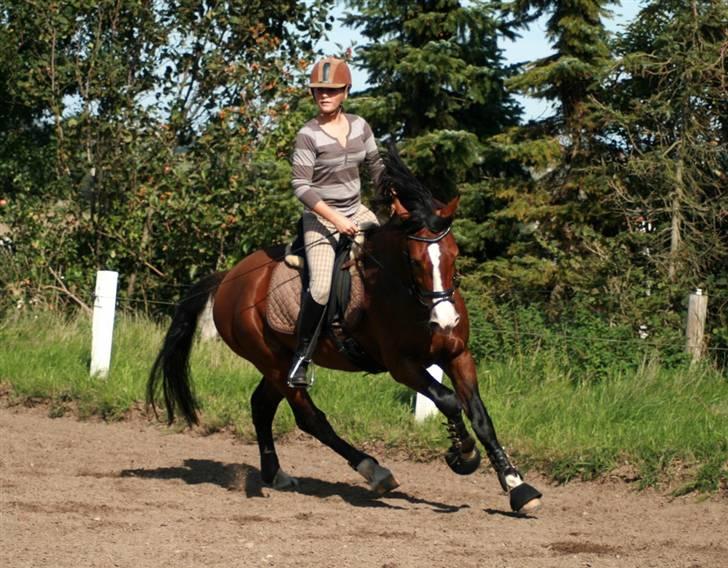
(328, 152)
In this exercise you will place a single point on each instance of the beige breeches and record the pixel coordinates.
(320, 238)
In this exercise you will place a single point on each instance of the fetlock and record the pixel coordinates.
(508, 476)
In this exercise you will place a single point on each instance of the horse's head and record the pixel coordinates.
(431, 251)
(424, 226)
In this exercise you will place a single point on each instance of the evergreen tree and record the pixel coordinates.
(667, 111)
(571, 74)
(552, 221)
(437, 83)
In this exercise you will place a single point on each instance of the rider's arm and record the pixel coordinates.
(373, 159)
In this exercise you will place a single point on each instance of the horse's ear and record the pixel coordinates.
(398, 209)
(449, 210)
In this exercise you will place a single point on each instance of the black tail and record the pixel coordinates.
(172, 364)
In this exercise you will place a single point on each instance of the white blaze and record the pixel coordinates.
(443, 314)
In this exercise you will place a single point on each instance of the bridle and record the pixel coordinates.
(425, 297)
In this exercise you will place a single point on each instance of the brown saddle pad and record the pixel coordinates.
(284, 298)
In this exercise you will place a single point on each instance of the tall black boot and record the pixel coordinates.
(309, 326)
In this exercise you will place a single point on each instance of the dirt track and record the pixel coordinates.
(131, 494)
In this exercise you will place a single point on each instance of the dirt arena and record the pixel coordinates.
(134, 494)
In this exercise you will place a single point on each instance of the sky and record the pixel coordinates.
(531, 45)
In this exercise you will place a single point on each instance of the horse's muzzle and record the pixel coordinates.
(443, 317)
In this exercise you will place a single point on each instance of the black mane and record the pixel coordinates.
(412, 193)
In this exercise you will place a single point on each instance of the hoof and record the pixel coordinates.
(283, 481)
(379, 478)
(463, 464)
(525, 499)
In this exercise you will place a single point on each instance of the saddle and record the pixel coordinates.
(346, 301)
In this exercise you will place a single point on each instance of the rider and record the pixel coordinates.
(328, 152)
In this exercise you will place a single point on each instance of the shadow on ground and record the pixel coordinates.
(244, 477)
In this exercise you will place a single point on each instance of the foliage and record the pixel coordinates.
(437, 84)
(153, 138)
(160, 154)
(668, 118)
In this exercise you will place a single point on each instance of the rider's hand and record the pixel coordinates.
(346, 226)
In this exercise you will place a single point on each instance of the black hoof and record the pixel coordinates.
(462, 464)
(522, 496)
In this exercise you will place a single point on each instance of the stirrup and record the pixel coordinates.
(301, 374)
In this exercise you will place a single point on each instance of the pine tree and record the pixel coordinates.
(668, 111)
(553, 201)
(437, 83)
(571, 74)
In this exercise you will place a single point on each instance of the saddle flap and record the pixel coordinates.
(284, 298)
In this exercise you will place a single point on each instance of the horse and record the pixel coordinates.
(412, 316)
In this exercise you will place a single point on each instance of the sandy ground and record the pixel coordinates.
(134, 494)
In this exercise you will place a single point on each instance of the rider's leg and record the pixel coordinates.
(320, 239)
(309, 326)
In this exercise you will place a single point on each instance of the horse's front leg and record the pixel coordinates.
(314, 422)
(523, 497)
(463, 456)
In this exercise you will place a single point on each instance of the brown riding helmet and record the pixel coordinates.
(330, 73)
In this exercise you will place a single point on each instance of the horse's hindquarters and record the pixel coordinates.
(240, 302)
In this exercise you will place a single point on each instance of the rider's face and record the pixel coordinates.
(329, 99)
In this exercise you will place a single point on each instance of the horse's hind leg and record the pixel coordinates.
(264, 403)
(314, 422)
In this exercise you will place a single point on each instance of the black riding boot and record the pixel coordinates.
(309, 326)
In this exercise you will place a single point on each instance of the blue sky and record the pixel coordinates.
(531, 45)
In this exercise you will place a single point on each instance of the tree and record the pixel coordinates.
(437, 83)
(552, 201)
(157, 123)
(571, 75)
(668, 115)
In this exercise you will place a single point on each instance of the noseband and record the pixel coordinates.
(425, 296)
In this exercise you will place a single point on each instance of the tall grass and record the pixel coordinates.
(652, 419)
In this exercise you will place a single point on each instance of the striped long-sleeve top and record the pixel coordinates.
(324, 170)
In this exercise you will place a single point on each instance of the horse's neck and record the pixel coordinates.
(383, 264)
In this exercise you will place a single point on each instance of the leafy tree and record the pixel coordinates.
(157, 122)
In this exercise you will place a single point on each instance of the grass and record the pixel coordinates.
(660, 422)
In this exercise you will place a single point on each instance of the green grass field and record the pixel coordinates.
(660, 422)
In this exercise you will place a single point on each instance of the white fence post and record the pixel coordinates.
(103, 321)
(424, 407)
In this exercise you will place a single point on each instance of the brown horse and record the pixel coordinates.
(412, 317)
